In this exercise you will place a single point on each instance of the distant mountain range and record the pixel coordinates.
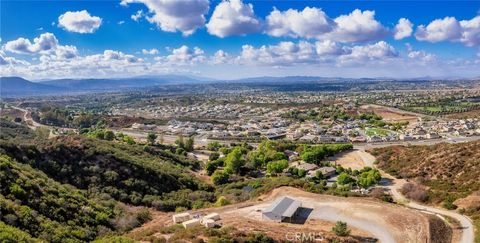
(16, 86)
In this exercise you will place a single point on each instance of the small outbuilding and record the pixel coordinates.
(282, 209)
(209, 223)
(181, 217)
(212, 216)
(191, 223)
(327, 172)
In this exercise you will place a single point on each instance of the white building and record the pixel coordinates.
(284, 208)
(191, 223)
(181, 217)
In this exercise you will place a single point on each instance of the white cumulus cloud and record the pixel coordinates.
(471, 31)
(175, 15)
(358, 26)
(328, 47)
(403, 29)
(283, 54)
(11, 61)
(422, 56)
(79, 22)
(450, 29)
(309, 23)
(152, 51)
(220, 57)
(183, 55)
(45, 44)
(233, 17)
(440, 30)
(379, 51)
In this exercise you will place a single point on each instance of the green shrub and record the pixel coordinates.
(341, 229)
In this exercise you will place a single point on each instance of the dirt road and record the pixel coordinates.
(467, 228)
(27, 117)
(394, 185)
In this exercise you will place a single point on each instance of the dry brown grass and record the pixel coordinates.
(390, 115)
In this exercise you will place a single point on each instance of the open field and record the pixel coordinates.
(459, 107)
(377, 132)
(367, 218)
(391, 114)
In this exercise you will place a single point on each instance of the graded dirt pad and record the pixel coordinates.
(348, 159)
(390, 114)
(385, 220)
(367, 218)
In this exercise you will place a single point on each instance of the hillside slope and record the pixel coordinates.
(453, 168)
(449, 172)
(125, 172)
(76, 189)
(41, 207)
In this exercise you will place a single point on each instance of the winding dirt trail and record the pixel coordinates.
(396, 184)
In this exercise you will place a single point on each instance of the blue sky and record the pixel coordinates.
(75, 38)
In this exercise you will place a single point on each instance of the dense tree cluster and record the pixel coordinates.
(316, 153)
(48, 210)
(71, 188)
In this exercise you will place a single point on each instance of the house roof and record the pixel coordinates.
(283, 206)
(307, 166)
(325, 170)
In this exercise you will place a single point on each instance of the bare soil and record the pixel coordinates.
(348, 159)
(398, 222)
(389, 114)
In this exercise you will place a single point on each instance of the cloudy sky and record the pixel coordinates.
(233, 38)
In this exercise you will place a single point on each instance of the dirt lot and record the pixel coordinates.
(367, 218)
(349, 159)
(390, 114)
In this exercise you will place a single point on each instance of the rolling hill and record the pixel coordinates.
(77, 189)
(16, 86)
(450, 172)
